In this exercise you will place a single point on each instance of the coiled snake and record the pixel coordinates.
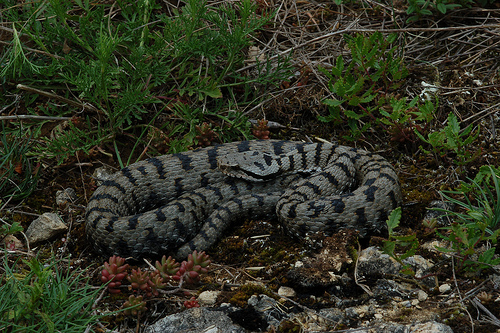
(176, 203)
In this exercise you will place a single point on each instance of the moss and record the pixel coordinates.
(288, 326)
(246, 291)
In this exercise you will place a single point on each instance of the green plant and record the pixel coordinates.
(76, 136)
(116, 69)
(361, 88)
(6, 230)
(404, 119)
(46, 298)
(408, 243)
(425, 7)
(134, 306)
(452, 138)
(477, 222)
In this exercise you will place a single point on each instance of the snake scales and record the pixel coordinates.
(176, 203)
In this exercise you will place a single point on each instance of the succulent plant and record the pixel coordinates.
(167, 267)
(149, 282)
(191, 269)
(261, 129)
(136, 302)
(115, 270)
(192, 303)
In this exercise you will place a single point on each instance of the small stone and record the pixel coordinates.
(415, 302)
(65, 197)
(422, 296)
(379, 316)
(405, 304)
(45, 227)
(286, 292)
(12, 243)
(444, 288)
(208, 297)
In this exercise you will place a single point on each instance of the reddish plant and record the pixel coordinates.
(206, 135)
(115, 270)
(192, 303)
(191, 269)
(261, 129)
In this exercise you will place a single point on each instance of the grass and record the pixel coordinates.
(46, 298)
(130, 67)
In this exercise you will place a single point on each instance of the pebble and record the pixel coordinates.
(422, 296)
(444, 288)
(208, 297)
(286, 292)
(65, 197)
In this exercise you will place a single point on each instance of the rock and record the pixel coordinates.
(444, 288)
(372, 262)
(65, 197)
(422, 296)
(335, 315)
(45, 227)
(208, 297)
(495, 278)
(267, 308)
(12, 243)
(435, 244)
(427, 327)
(286, 292)
(419, 264)
(389, 289)
(196, 320)
(437, 215)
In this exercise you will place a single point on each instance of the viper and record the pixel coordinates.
(174, 204)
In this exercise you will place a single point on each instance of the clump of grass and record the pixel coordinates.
(46, 298)
(141, 62)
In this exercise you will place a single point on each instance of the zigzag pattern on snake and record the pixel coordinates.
(176, 203)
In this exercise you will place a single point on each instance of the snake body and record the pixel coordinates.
(176, 203)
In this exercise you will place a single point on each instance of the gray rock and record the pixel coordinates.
(427, 327)
(430, 327)
(196, 320)
(372, 262)
(268, 309)
(435, 212)
(335, 315)
(375, 264)
(65, 197)
(47, 226)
